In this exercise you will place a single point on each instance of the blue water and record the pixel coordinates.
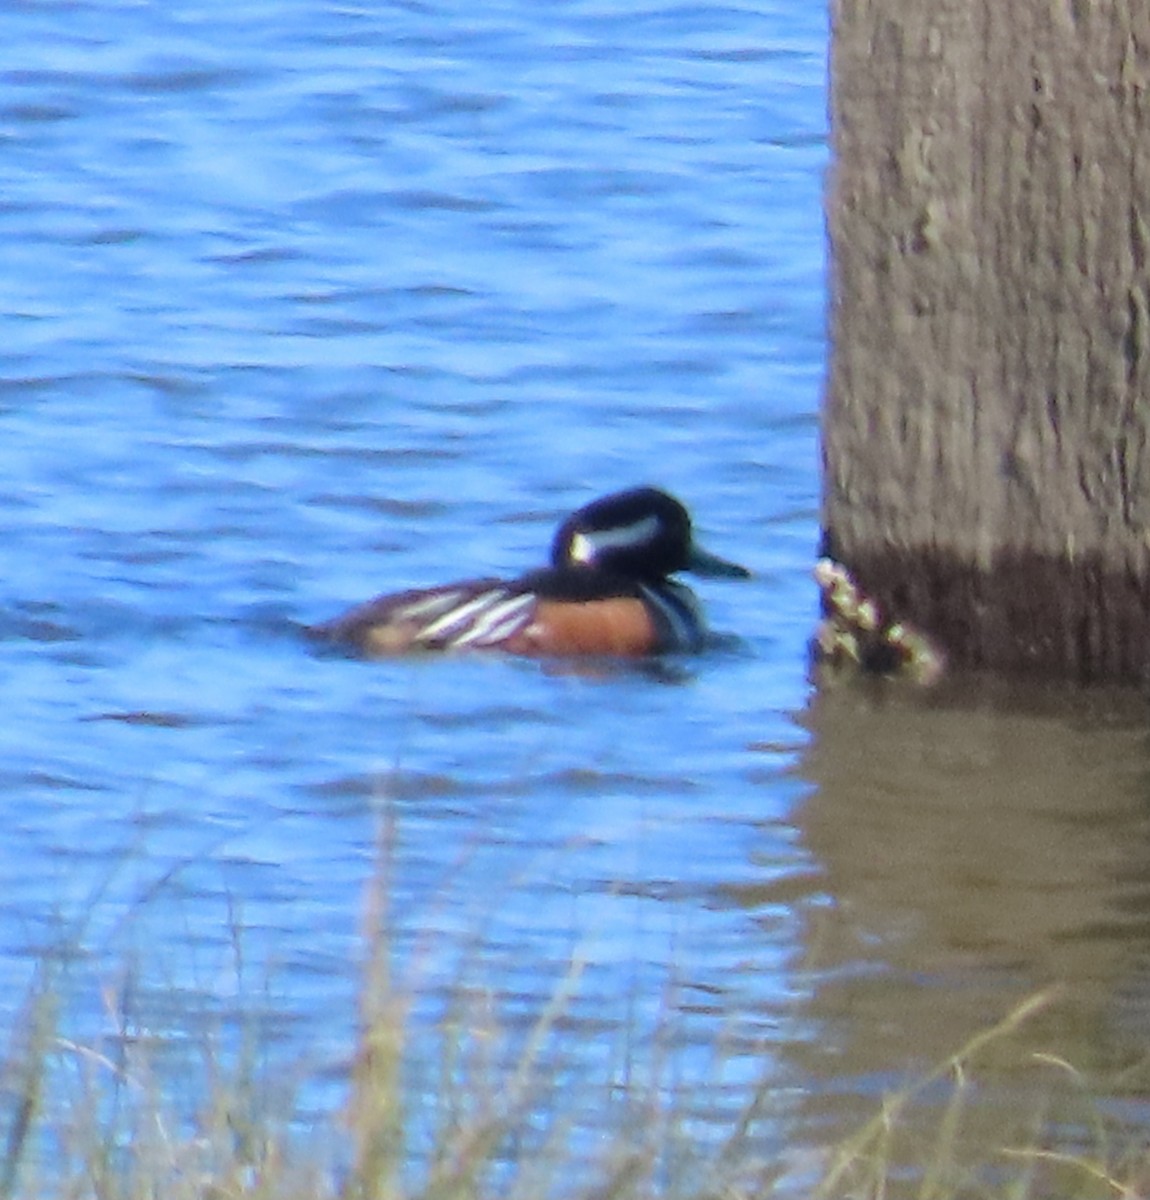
(302, 303)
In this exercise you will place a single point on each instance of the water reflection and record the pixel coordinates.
(974, 845)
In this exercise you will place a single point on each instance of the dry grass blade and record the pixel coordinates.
(24, 1076)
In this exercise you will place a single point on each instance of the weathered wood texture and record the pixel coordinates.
(986, 426)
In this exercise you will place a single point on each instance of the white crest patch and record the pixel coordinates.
(587, 545)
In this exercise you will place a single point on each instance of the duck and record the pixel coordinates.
(607, 592)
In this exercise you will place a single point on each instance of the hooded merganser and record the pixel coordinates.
(606, 592)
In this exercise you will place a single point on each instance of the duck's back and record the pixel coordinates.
(477, 612)
(549, 612)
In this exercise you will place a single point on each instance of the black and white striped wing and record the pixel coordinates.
(479, 613)
(482, 616)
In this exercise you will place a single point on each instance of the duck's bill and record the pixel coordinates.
(702, 562)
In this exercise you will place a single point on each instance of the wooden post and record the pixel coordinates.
(986, 426)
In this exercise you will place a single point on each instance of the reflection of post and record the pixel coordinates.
(987, 424)
(973, 853)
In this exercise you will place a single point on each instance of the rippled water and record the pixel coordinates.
(302, 303)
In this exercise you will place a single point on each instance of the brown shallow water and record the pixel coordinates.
(976, 846)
